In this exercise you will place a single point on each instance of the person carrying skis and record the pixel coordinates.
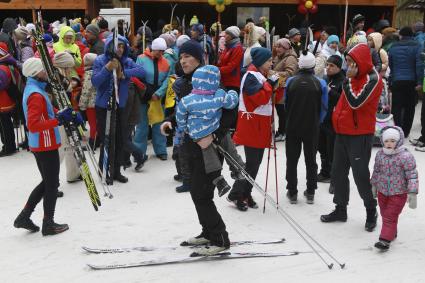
(197, 33)
(44, 141)
(354, 123)
(199, 114)
(394, 180)
(253, 129)
(306, 102)
(103, 81)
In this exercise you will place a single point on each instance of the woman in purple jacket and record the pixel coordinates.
(394, 180)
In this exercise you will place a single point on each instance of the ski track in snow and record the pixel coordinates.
(147, 211)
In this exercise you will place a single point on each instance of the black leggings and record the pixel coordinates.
(48, 165)
(6, 132)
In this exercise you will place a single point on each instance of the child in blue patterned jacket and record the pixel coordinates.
(394, 180)
(199, 113)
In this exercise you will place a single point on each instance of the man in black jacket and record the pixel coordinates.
(335, 78)
(306, 100)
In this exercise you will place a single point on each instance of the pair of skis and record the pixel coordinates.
(73, 131)
(194, 257)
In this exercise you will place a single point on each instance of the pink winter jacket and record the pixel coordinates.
(395, 174)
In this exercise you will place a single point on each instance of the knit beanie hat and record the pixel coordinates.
(260, 55)
(292, 32)
(357, 19)
(9, 25)
(332, 38)
(32, 66)
(93, 29)
(260, 30)
(76, 27)
(21, 33)
(181, 40)
(284, 42)
(306, 60)
(199, 28)
(406, 31)
(233, 31)
(63, 60)
(47, 38)
(419, 26)
(169, 38)
(30, 27)
(206, 80)
(336, 60)
(390, 133)
(89, 59)
(159, 44)
(148, 33)
(193, 21)
(193, 48)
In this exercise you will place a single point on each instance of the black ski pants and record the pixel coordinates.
(404, 98)
(48, 165)
(7, 133)
(326, 148)
(242, 188)
(127, 130)
(354, 152)
(280, 110)
(423, 120)
(202, 193)
(101, 126)
(293, 152)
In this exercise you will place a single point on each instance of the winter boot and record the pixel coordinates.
(382, 245)
(201, 239)
(292, 197)
(52, 228)
(59, 194)
(127, 164)
(222, 186)
(251, 202)
(120, 178)
(219, 243)
(185, 187)
(309, 197)
(339, 214)
(140, 162)
(23, 221)
(371, 217)
(322, 178)
(178, 178)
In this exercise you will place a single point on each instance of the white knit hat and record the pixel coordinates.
(234, 31)
(89, 59)
(32, 67)
(391, 134)
(182, 39)
(63, 60)
(159, 44)
(307, 61)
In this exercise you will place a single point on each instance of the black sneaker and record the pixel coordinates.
(417, 142)
(251, 202)
(339, 214)
(382, 245)
(241, 205)
(293, 199)
(183, 188)
(127, 164)
(23, 221)
(222, 186)
(120, 178)
(162, 157)
(140, 163)
(5, 153)
(323, 178)
(309, 197)
(52, 228)
(59, 194)
(371, 217)
(178, 178)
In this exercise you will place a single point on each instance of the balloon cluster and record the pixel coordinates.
(220, 5)
(307, 6)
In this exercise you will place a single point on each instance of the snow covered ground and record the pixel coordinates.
(148, 211)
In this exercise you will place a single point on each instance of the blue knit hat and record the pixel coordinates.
(260, 55)
(198, 28)
(47, 38)
(193, 48)
(76, 27)
(333, 38)
(206, 80)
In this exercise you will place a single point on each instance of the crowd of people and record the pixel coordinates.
(204, 94)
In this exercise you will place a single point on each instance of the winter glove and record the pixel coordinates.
(374, 191)
(77, 119)
(64, 116)
(411, 199)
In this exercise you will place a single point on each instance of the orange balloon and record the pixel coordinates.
(308, 4)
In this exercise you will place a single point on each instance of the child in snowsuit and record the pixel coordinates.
(199, 115)
(394, 180)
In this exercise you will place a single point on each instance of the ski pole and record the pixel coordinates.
(267, 180)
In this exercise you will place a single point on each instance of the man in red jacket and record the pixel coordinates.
(354, 124)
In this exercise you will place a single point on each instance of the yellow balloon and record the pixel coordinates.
(308, 4)
(220, 8)
(212, 2)
(227, 2)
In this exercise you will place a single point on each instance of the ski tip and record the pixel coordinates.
(87, 249)
(93, 267)
(184, 244)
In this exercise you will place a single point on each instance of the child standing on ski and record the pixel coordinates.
(394, 180)
(199, 115)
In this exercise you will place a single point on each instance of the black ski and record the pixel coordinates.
(188, 259)
(148, 249)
